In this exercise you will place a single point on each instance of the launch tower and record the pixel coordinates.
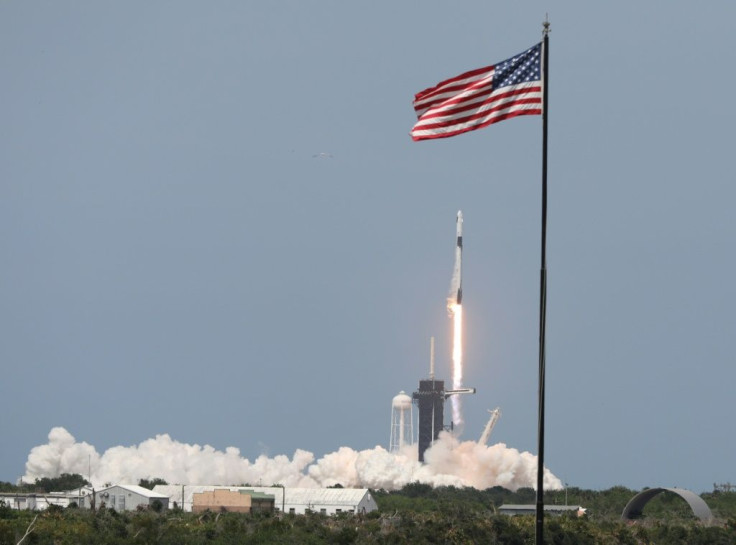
(430, 399)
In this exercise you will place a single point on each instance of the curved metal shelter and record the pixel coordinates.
(636, 504)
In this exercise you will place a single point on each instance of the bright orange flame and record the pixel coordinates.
(457, 344)
(456, 311)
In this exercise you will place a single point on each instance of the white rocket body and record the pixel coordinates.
(456, 287)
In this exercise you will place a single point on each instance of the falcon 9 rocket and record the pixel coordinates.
(456, 286)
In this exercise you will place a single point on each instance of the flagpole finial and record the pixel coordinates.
(545, 25)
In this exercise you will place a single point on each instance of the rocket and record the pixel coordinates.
(456, 287)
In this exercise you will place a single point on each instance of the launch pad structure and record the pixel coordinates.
(430, 400)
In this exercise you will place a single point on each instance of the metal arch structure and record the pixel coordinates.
(636, 504)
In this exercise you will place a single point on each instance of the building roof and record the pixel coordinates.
(325, 496)
(257, 495)
(145, 492)
(79, 491)
(696, 503)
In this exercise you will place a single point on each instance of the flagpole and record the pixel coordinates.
(542, 292)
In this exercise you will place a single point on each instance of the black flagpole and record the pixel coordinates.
(542, 292)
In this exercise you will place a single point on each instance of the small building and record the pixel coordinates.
(127, 497)
(296, 501)
(220, 500)
(260, 502)
(531, 509)
(329, 501)
(241, 501)
(39, 501)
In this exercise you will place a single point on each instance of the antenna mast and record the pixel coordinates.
(431, 358)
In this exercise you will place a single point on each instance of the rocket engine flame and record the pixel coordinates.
(457, 362)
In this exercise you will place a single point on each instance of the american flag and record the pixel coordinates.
(480, 97)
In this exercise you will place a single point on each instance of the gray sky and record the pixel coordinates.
(176, 260)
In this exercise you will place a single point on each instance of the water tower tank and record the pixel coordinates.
(402, 422)
(401, 401)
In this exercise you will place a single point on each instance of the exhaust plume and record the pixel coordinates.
(455, 309)
(448, 462)
(456, 313)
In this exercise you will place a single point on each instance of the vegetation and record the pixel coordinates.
(599, 505)
(416, 514)
(65, 481)
(150, 483)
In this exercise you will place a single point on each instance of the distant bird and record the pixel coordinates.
(323, 155)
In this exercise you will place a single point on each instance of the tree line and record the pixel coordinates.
(417, 513)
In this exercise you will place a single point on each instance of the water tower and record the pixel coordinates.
(402, 422)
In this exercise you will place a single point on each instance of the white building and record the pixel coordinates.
(126, 497)
(39, 501)
(328, 501)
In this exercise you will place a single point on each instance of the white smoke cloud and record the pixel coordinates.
(448, 462)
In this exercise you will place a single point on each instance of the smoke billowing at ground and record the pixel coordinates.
(448, 462)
